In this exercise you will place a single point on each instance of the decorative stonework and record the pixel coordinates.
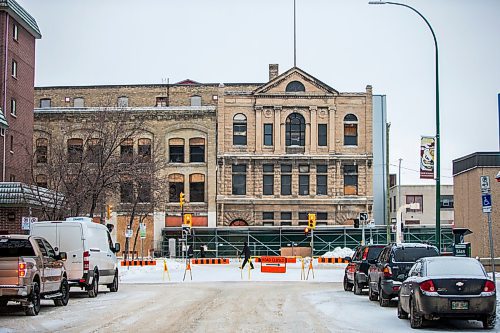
(268, 113)
(241, 215)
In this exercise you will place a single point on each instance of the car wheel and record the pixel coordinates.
(372, 296)
(416, 320)
(402, 314)
(489, 321)
(347, 285)
(113, 287)
(93, 289)
(383, 299)
(64, 290)
(357, 288)
(34, 308)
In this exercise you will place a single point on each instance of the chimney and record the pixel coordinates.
(273, 71)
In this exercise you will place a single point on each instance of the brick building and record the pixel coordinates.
(467, 171)
(18, 32)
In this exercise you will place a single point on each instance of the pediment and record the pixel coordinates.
(312, 86)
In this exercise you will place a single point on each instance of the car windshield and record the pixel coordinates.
(16, 248)
(374, 252)
(454, 267)
(411, 254)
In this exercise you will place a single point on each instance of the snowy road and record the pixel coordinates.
(219, 307)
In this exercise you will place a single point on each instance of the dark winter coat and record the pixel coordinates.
(246, 251)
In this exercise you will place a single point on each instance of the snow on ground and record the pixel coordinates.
(339, 252)
(230, 272)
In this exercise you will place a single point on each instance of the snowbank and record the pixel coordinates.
(339, 252)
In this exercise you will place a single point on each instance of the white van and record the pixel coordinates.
(91, 259)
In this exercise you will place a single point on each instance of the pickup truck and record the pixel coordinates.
(30, 270)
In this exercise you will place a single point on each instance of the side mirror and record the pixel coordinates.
(63, 256)
(348, 259)
(117, 247)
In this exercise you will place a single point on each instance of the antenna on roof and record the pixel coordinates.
(294, 36)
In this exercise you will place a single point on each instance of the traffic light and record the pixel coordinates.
(306, 231)
(109, 211)
(188, 219)
(311, 223)
(181, 199)
(356, 223)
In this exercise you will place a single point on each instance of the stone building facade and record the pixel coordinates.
(291, 147)
(18, 32)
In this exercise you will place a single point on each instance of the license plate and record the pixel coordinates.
(460, 305)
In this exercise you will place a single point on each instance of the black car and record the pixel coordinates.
(356, 272)
(391, 268)
(447, 287)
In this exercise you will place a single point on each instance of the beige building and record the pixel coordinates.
(467, 172)
(425, 195)
(291, 147)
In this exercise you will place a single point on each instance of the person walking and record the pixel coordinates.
(202, 251)
(246, 252)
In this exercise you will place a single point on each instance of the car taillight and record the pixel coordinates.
(387, 271)
(86, 255)
(427, 286)
(21, 269)
(489, 286)
(365, 254)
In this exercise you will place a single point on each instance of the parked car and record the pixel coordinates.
(29, 270)
(391, 268)
(455, 287)
(356, 272)
(91, 253)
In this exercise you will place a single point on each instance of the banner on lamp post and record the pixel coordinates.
(427, 145)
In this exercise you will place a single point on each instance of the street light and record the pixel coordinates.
(438, 145)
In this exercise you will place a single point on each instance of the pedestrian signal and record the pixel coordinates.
(356, 223)
(311, 223)
(181, 199)
(188, 219)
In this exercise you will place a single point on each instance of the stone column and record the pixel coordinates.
(313, 110)
(277, 129)
(258, 129)
(331, 129)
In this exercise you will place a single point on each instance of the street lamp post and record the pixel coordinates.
(438, 145)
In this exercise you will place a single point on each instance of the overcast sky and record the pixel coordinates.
(347, 44)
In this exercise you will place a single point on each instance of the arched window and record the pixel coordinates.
(295, 130)
(41, 181)
(350, 130)
(197, 187)
(75, 150)
(240, 130)
(176, 150)
(175, 186)
(195, 100)
(238, 223)
(295, 86)
(41, 150)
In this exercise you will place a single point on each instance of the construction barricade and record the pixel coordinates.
(322, 260)
(210, 261)
(138, 263)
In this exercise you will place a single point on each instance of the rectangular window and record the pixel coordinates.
(350, 134)
(303, 180)
(176, 154)
(12, 144)
(239, 179)
(41, 150)
(78, 102)
(127, 151)
(175, 187)
(14, 68)
(286, 216)
(197, 150)
(240, 134)
(286, 179)
(144, 191)
(303, 217)
(321, 179)
(415, 199)
(447, 201)
(268, 181)
(322, 135)
(45, 103)
(321, 216)
(13, 107)
(268, 224)
(268, 134)
(161, 101)
(268, 216)
(197, 187)
(95, 150)
(350, 179)
(15, 32)
(144, 150)
(126, 192)
(122, 102)
(75, 150)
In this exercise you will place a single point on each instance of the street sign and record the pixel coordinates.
(363, 216)
(186, 230)
(26, 222)
(142, 230)
(485, 184)
(486, 199)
